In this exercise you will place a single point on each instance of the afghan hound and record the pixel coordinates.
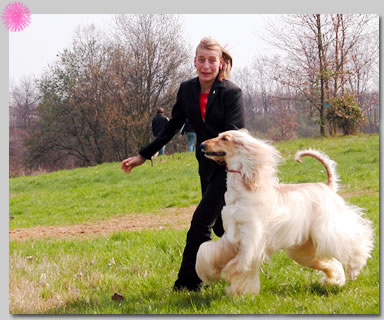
(315, 226)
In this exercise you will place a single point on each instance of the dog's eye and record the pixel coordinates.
(224, 138)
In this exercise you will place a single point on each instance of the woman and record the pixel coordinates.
(212, 104)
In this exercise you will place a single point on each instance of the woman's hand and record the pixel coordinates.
(128, 164)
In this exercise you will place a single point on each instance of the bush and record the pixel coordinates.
(344, 114)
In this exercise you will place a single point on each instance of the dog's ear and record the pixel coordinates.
(257, 160)
(250, 170)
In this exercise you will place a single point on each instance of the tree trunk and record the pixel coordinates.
(322, 80)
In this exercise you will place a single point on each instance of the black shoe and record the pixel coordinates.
(196, 287)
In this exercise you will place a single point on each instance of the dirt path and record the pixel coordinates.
(175, 218)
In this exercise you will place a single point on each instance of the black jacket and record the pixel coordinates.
(158, 123)
(225, 111)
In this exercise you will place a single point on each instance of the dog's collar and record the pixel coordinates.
(233, 171)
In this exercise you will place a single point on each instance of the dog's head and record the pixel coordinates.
(221, 148)
(240, 151)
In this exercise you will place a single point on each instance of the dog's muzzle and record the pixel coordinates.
(203, 148)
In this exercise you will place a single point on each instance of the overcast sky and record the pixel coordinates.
(34, 48)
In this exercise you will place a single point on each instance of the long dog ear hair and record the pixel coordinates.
(259, 160)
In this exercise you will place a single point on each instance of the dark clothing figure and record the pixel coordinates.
(224, 111)
(159, 122)
(191, 135)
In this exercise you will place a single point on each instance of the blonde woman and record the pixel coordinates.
(212, 104)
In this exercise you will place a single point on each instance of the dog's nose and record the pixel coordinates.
(203, 147)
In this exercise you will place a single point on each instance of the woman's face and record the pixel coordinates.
(207, 63)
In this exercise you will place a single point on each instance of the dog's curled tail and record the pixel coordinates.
(329, 165)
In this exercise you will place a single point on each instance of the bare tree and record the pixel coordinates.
(318, 51)
(269, 106)
(24, 99)
(72, 110)
(98, 98)
(363, 73)
(305, 42)
(245, 79)
(158, 58)
(351, 33)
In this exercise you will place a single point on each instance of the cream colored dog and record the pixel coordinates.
(315, 226)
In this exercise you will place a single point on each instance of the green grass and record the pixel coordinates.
(83, 195)
(145, 266)
(357, 160)
(79, 276)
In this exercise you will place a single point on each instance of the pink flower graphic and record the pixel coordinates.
(16, 16)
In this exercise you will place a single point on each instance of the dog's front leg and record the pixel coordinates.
(246, 264)
(242, 272)
(212, 256)
(230, 224)
(247, 282)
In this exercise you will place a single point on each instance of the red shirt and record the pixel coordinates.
(203, 104)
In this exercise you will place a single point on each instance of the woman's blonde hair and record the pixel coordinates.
(209, 43)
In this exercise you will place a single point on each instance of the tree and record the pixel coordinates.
(363, 78)
(24, 99)
(245, 79)
(318, 51)
(98, 98)
(351, 36)
(74, 102)
(158, 59)
(305, 41)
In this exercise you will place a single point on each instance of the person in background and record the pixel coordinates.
(159, 122)
(212, 104)
(191, 135)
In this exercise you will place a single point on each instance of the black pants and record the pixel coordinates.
(206, 217)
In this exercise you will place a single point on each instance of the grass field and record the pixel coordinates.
(79, 276)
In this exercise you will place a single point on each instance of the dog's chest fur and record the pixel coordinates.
(235, 189)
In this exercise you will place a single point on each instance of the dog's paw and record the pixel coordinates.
(353, 274)
(333, 282)
(337, 279)
(233, 291)
(229, 291)
(213, 275)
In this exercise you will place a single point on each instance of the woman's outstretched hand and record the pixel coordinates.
(128, 164)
